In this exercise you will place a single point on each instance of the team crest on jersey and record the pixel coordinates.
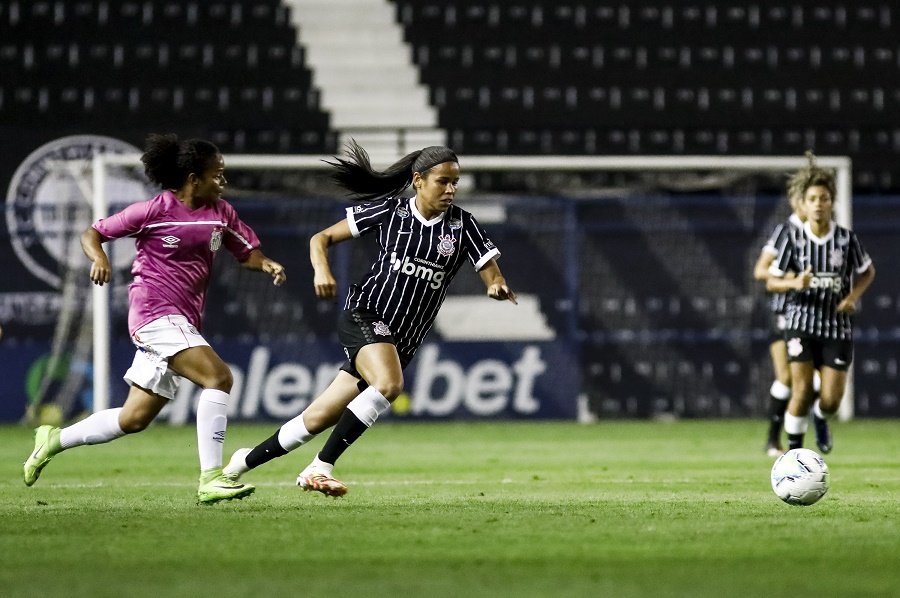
(836, 259)
(454, 223)
(381, 329)
(794, 347)
(446, 244)
(402, 211)
(216, 240)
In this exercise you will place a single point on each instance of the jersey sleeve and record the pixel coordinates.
(773, 245)
(128, 222)
(479, 248)
(782, 262)
(367, 217)
(238, 238)
(859, 259)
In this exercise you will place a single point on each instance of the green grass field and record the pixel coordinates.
(554, 509)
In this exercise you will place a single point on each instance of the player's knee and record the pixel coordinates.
(389, 388)
(801, 390)
(220, 379)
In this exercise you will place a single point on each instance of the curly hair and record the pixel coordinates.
(812, 176)
(168, 162)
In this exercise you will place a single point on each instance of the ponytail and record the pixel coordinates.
(355, 173)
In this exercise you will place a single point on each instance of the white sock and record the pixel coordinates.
(794, 424)
(212, 419)
(294, 434)
(369, 405)
(98, 428)
(320, 465)
(780, 391)
(817, 411)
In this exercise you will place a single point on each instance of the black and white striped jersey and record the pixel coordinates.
(778, 301)
(417, 260)
(835, 259)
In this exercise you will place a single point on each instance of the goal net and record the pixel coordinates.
(642, 263)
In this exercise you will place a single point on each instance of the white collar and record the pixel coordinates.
(819, 240)
(795, 220)
(420, 217)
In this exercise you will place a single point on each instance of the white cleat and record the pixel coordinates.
(237, 466)
(316, 480)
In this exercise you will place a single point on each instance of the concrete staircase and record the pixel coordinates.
(362, 68)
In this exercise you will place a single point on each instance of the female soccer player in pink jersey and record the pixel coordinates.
(177, 235)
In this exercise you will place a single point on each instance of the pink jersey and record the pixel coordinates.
(175, 251)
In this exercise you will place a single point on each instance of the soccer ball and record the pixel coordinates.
(800, 477)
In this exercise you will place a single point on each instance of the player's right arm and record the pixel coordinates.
(789, 281)
(91, 244)
(772, 249)
(782, 277)
(129, 221)
(323, 279)
(761, 269)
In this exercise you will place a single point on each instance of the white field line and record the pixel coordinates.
(366, 483)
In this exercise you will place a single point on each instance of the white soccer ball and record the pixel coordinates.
(800, 477)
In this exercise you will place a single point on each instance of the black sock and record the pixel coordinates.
(777, 407)
(347, 430)
(795, 441)
(265, 451)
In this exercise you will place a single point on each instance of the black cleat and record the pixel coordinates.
(823, 435)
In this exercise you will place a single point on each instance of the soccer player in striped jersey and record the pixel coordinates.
(177, 235)
(424, 240)
(831, 272)
(780, 391)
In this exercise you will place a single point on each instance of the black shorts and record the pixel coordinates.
(777, 323)
(835, 354)
(358, 328)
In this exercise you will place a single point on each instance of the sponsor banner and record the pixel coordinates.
(276, 381)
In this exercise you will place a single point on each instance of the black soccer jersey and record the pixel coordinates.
(778, 301)
(834, 258)
(417, 260)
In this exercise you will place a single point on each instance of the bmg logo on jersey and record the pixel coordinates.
(826, 280)
(417, 270)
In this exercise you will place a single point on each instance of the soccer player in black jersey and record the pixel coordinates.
(780, 391)
(424, 240)
(831, 272)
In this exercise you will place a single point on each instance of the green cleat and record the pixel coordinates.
(215, 487)
(46, 445)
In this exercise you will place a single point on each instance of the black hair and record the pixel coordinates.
(168, 162)
(355, 173)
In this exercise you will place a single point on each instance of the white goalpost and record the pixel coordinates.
(102, 163)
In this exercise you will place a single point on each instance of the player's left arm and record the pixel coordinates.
(260, 263)
(864, 274)
(495, 283)
(860, 283)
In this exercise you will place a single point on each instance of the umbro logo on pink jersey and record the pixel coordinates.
(170, 241)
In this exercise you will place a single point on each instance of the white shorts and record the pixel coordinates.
(156, 342)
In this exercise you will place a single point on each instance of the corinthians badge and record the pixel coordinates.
(446, 244)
